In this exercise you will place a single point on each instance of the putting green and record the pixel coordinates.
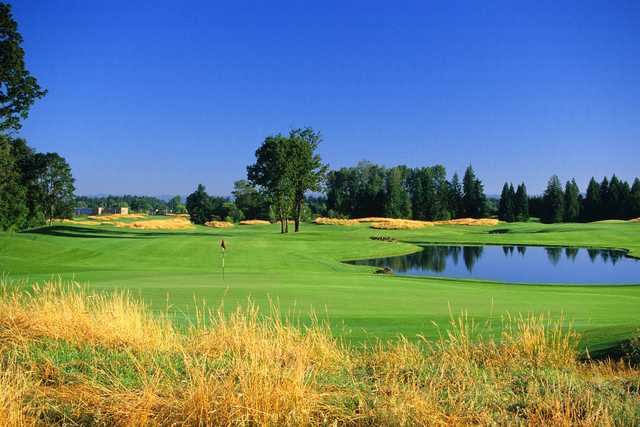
(302, 272)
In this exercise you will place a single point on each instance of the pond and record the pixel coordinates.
(516, 264)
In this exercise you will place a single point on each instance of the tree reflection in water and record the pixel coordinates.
(434, 258)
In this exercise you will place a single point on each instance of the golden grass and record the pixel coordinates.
(219, 224)
(635, 220)
(81, 222)
(114, 217)
(469, 221)
(404, 224)
(72, 357)
(401, 224)
(254, 222)
(173, 223)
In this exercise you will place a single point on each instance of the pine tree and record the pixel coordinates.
(506, 206)
(571, 201)
(522, 203)
(397, 203)
(473, 198)
(604, 199)
(553, 201)
(634, 196)
(455, 197)
(592, 202)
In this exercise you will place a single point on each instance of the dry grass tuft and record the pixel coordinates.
(70, 357)
(254, 222)
(219, 224)
(401, 224)
(173, 223)
(69, 313)
(469, 221)
(114, 217)
(80, 222)
(404, 224)
(635, 220)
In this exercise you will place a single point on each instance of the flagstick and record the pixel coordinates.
(223, 264)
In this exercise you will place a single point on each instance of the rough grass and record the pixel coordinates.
(219, 224)
(173, 223)
(254, 222)
(404, 224)
(114, 217)
(69, 357)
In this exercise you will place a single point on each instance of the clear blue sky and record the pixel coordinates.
(154, 97)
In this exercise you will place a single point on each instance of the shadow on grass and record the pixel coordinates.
(94, 233)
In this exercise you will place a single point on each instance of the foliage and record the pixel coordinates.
(13, 206)
(54, 184)
(249, 200)
(135, 203)
(553, 201)
(306, 170)
(507, 205)
(199, 206)
(286, 168)
(572, 201)
(35, 186)
(473, 200)
(18, 88)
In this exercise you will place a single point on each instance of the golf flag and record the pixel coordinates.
(222, 245)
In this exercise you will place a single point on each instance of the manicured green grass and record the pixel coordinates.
(302, 272)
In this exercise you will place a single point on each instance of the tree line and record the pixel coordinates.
(608, 199)
(34, 187)
(422, 193)
(134, 203)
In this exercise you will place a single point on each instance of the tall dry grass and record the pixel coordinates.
(72, 357)
(254, 222)
(404, 224)
(219, 224)
(172, 223)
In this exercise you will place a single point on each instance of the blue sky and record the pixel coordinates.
(154, 97)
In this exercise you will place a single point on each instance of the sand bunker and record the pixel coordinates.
(254, 222)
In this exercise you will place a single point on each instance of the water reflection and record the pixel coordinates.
(517, 264)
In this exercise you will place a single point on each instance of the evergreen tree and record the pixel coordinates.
(473, 199)
(604, 212)
(634, 202)
(615, 202)
(592, 202)
(522, 203)
(455, 197)
(506, 206)
(553, 201)
(571, 201)
(397, 202)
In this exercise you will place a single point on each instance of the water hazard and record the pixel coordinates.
(517, 264)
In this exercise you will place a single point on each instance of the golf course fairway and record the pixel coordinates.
(302, 273)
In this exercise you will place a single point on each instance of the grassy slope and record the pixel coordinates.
(303, 271)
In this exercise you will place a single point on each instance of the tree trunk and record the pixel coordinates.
(298, 214)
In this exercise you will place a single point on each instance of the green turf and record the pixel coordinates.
(302, 272)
